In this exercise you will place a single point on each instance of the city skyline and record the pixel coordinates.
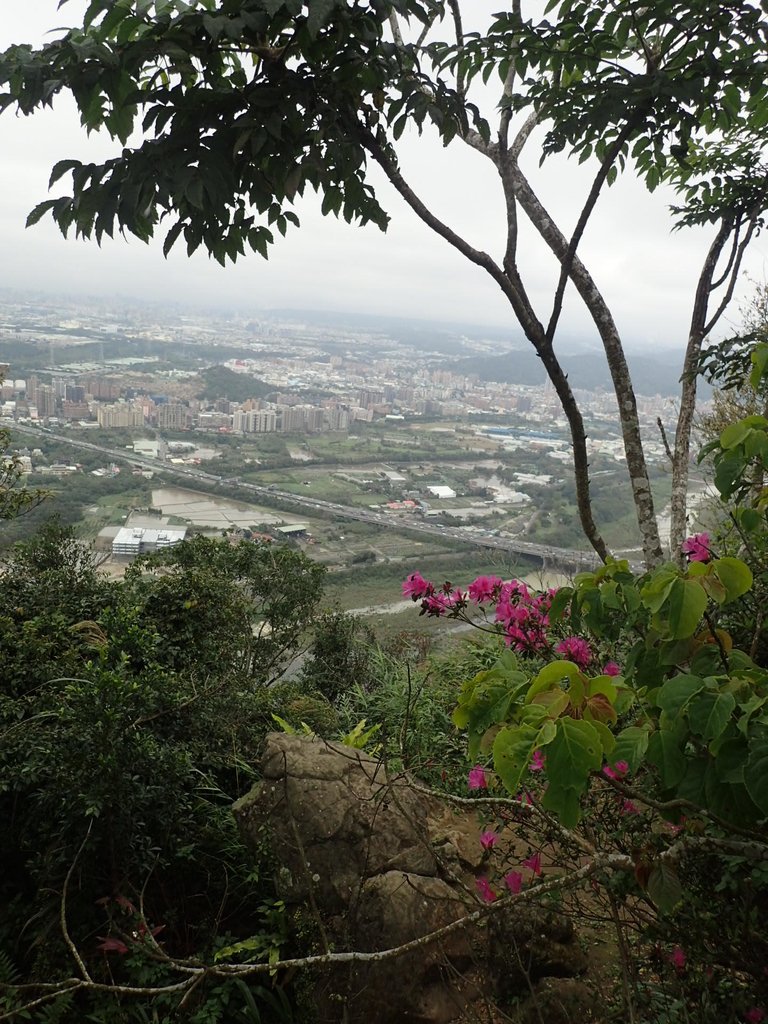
(646, 273)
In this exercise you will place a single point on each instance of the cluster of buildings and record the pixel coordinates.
(323, 379)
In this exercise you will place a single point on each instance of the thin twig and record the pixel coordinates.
(63, 910)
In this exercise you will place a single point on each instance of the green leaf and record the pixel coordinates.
(756, 775)
(319, 12)
(560, 603)
(486, 700)
(664, 887)
(675, 693)
(759, 357)
(39, 211)
(709, 714)
(631, 745)
(60, 168)
(553, 675)
(731, 761)
(735, 576)
(513, 750)
(573, 754)
(687, 603)
(664, 752)
(607, 739)
(749, 518)
(734, 434)
(656, 590)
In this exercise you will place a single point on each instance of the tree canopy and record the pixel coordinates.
(227, 110)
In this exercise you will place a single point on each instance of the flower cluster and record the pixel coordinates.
(437, 601)
(522, 615)
(696, 548)
(513, 880)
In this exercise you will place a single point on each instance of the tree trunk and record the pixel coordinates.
(696, 335)
(514, 179)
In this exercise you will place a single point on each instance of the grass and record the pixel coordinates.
(362, 587)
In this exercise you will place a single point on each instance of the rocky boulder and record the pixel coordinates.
(380, 864)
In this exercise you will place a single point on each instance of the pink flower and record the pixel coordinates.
(416, 586)
(627, 807)
(488, 840)
(525, 798)
(537, 762)
(484, 588)
(677, 958)
(436, 604)
(514, 882)
(619, 770)
(534, 863)
(611, 669)
(477, 778)
(697, 548)
(484, 891)
(755, 1015)
(576, 650)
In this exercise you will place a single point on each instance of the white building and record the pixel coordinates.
(131, 541)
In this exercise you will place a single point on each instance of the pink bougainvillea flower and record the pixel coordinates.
(415, 586)
(619, 771)
(484, 588)
(524, 798)
(488, 840)
(537, 762)
(611, 669)
(677, 958)
(627, 807)
(534, 863)
(755, 1016)
(436, 604)
(697, 548)
(514, 881)
(477, 779)
(575, 649)
(484, 890)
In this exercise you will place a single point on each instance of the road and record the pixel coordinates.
(549, 557)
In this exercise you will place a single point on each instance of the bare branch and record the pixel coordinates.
(523, 135)
(664, 439)
(566, 262)
(734, 248)
(506, 96)
(397, 35)
(514, 803)
(63, 910)
(734, 275)
(459, 31)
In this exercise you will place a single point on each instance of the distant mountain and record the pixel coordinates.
(651, 375)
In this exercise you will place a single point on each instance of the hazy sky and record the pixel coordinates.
(646, 272)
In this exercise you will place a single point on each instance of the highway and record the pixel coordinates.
(550, 557)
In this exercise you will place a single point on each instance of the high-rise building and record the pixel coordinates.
(120, 415)
(173, 416)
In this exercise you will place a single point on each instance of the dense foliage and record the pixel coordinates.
(131, 715)
(633, 710)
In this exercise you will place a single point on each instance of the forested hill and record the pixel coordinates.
(658, 374)
(221, 382)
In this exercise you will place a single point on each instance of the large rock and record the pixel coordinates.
(382, 864)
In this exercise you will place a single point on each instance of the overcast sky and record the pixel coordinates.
(646, 272)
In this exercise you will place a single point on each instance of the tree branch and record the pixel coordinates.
(566, 262)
